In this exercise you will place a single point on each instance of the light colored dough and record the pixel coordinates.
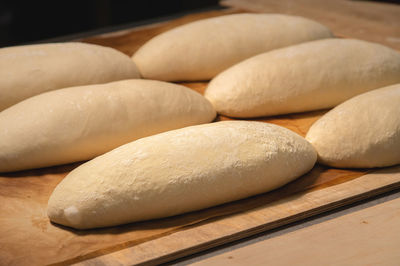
(180, 171)
(361, 132)
(79, 123)
(29, 70)
(202, 49)
(304, 77)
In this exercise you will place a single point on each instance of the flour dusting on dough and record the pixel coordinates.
(72, 215)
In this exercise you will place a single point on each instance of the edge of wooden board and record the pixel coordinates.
(222, 230)
(356, 238)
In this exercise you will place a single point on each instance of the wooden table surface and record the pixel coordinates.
(370, 236)
(163, 240)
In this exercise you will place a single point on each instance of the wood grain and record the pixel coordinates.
(367, 237)
(28, 238)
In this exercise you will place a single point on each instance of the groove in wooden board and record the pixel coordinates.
(367, 237)
(233, 227)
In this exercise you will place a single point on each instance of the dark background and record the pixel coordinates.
(24, 22)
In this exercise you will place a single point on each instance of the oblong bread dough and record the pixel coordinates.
(362, 132)
(79, 123)
(304, 77)
(200, 50)
(180, 171)
(29, 70)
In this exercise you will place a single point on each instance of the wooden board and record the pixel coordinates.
(27, 236)
(367, 237)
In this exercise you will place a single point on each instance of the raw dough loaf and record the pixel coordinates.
(202, 49)
(29, 70)
(180, 171)
(304, 77)
(79, 123)
(361, 132)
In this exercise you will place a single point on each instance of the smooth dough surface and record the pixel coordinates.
(29, 70)
(202, 49)
(79, 123)
(180, 171)
(361, 132)
(303, 77)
